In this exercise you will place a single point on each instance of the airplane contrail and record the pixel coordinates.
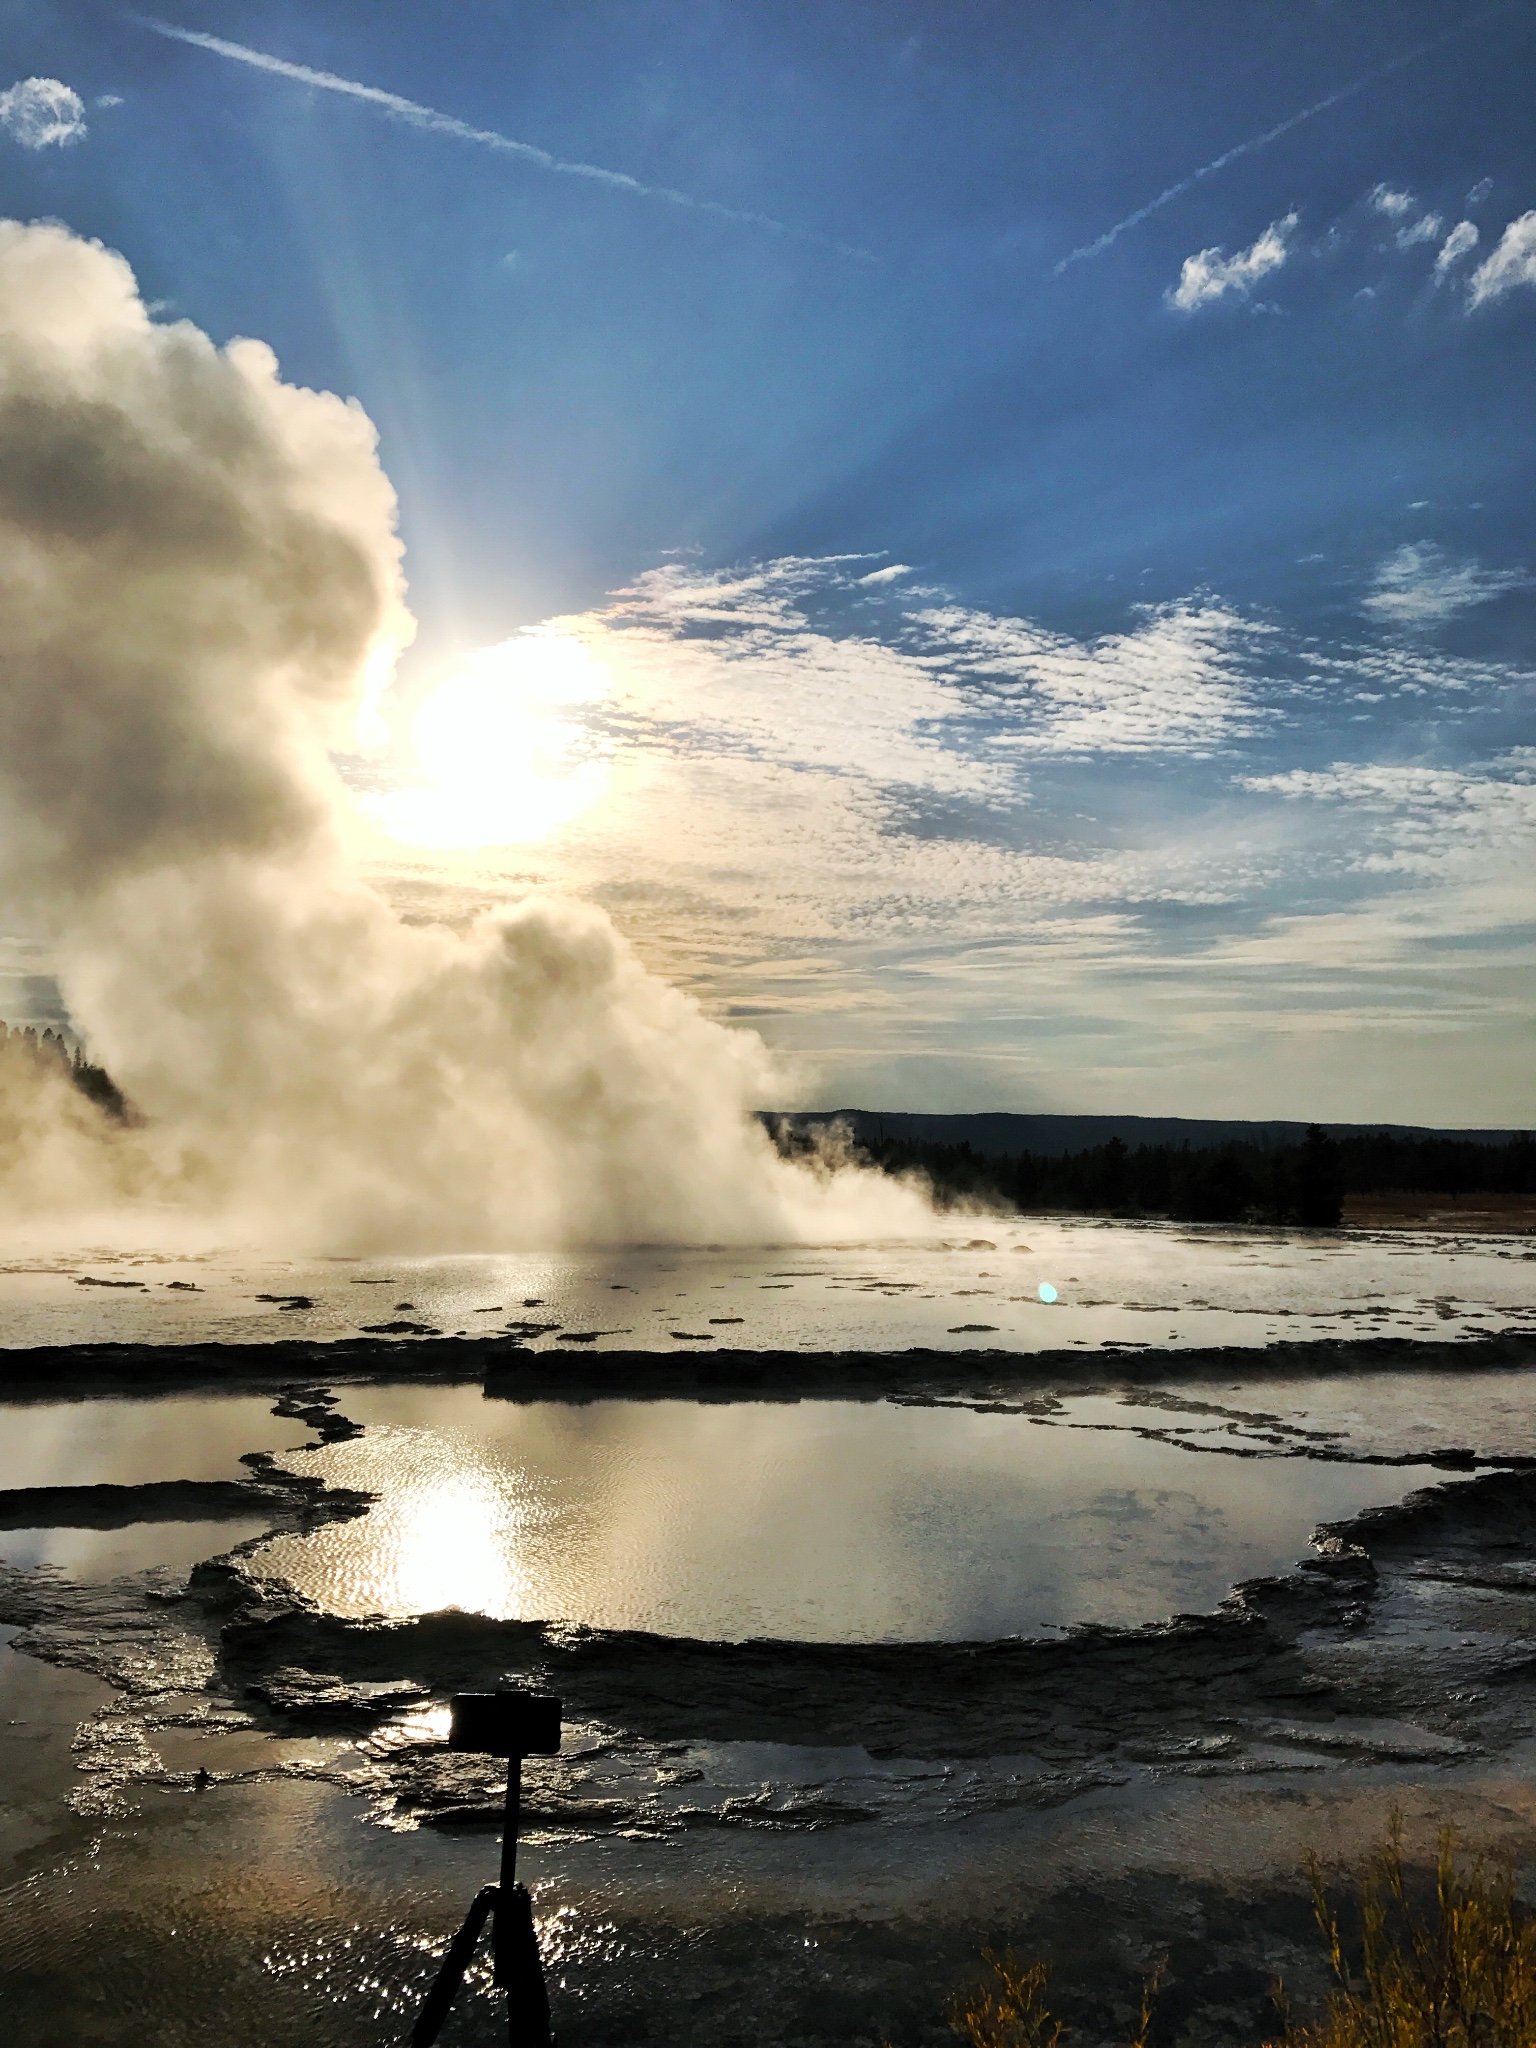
(433, 122)
(1132, 220)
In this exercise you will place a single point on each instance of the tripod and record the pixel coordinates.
(512, 1724)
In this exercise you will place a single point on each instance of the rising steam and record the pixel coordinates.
(200, 591)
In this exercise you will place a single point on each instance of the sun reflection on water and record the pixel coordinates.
(818, 1520)
(458, 1532)
(452, 1548)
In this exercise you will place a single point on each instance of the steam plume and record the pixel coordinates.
(200, 588)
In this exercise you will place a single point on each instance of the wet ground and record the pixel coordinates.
(230, 1816)
(1114, 1283)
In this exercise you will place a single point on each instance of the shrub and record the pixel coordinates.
(1454, 1970)
(1457, 1973)
(1011, 2012)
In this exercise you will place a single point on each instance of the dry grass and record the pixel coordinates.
(1454, 1969)
(1484, 1215)
(1459, 1972)
(1011, 2011)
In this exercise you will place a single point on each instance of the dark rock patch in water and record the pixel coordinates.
(293, 1690)
(512, 1370)
(119, 1507)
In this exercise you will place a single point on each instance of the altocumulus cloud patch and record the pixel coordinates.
(829, 798)
(1421, 585)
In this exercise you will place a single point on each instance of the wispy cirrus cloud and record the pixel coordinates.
(1427, 228)
(1421, 585)
(1088, 250)
(928, 698)
(1395, 205)
(1211, 274)
(734, 665)
(414, 115)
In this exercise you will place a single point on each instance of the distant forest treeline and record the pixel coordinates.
(23, 1045)
(1231, 1181)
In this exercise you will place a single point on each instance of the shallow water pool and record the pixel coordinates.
(112, 1553)
(835, 1521)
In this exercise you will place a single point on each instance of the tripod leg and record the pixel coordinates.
(519, 1971)
(450, 1975)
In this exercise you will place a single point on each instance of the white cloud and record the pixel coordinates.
(1512, 263)
(1426, 819)
(1479, 191)
(1425, 229)
(1212, 273)
(902, 831)
(1408, 666)
(887, 575)
(1397, 206)
(1173, 685)
(1461, 241)
(109, 99)
(733, 665)
(776, 775)
(38, 111)
(1393, 204)
(1420, 585)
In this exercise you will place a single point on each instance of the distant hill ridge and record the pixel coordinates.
(999, 1133)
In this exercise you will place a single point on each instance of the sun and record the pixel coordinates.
(502, 760)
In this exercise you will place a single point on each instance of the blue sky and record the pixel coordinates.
(1007, 664)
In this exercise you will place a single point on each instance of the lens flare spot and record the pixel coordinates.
(1046, 1291)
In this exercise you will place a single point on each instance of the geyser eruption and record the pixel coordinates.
(200, 590)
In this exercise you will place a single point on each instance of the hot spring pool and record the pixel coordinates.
(812, 1520)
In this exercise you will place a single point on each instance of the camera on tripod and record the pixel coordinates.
(505, 1723)
(512, 1724)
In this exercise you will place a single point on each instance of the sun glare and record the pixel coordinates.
(455, 1547)
(502, 760)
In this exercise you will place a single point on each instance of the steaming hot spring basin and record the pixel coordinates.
(814, 1520)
